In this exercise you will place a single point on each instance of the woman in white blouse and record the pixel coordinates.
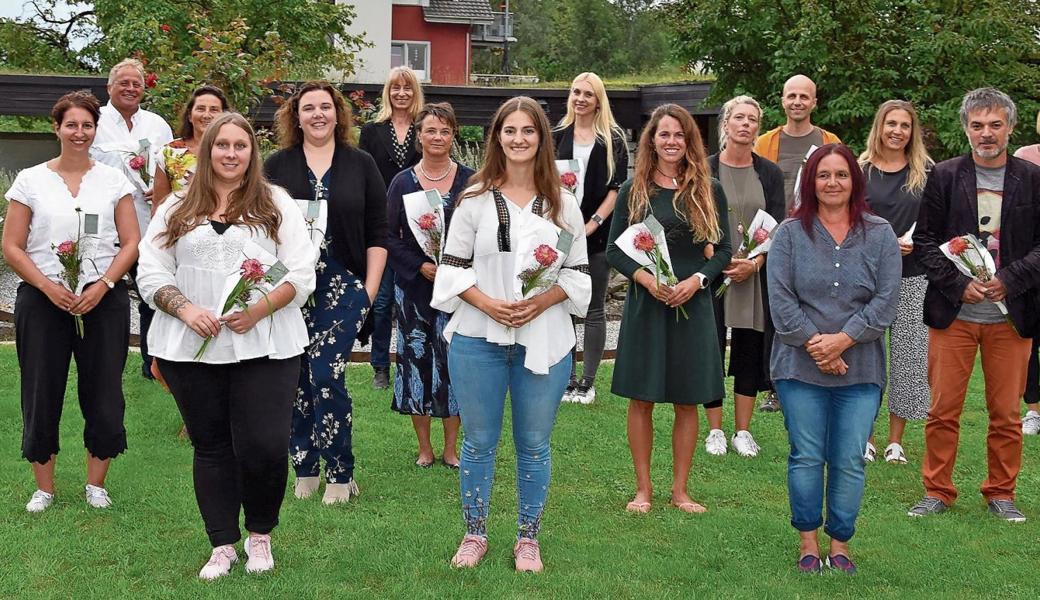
(236, 398)
(500, 341)
(71, 198)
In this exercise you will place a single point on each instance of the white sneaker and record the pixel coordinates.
(870, 453)
(568, 393)
(97, 496)
(894, 454)
(39, 502)
(585, 393)
(745, 444)
(589, 397)
(1031, 423)
(715, 443)
(258, 551)
(219, 563)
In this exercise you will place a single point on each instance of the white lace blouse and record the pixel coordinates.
(473, 257)
(200, 263)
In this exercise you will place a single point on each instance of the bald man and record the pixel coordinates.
(787, 145)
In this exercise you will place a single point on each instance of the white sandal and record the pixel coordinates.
(894, 454)
(870, 453)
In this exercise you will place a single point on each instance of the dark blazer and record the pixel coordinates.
(949, 207)
(378, 140)
(406, 256)
(596, 183)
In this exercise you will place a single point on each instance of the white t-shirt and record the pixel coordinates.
(474, 233)
(114, 141)
(200, 263)
(582, 152)
(55, 218)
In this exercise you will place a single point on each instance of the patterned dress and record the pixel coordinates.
(421, 385)
(322, 425)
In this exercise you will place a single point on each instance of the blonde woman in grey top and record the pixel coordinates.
(753, 183)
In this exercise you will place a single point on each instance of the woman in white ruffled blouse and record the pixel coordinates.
(498, 341)
(236, 397)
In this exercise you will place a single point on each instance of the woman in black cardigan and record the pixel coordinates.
(751, 183)
(390, 139)
(589, 133)
(318, 162)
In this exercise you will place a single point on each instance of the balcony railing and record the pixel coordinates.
(495, 32)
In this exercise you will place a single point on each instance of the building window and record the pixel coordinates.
(414, 55)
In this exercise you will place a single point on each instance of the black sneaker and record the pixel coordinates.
(1005, 509)
(929, 505)
(381, 379)
(585, 393)
(770, 404)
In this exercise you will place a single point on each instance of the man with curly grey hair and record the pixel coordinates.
(996, 198)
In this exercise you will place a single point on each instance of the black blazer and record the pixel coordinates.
(378, 140)
(596, 183)
(949, 207)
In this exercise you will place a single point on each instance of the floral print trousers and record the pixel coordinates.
(321, 421)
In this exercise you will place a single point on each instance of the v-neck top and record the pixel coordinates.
(58, 216)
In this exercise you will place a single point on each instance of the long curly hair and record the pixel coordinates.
(251, 203)
(916, 154)
(287, 119)
(693, 201)
(493, 172)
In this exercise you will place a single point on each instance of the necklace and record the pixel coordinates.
(674, 182)
(422, 172)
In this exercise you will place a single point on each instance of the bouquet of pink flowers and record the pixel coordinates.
(69, 256)
(569, 181)
(754, 240)
(644, 242)
(431, 226)
(570, 171)
(972, 259)
(253, 276)
(533, 277)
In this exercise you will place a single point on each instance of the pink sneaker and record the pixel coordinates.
(258, 554)
(528, 556)
(219, 563)
(470, 552)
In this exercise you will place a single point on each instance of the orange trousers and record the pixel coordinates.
(951, 358)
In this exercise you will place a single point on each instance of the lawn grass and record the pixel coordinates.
(396, 539)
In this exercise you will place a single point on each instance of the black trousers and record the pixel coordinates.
(238, 417)
(145, 314)
(46, 340)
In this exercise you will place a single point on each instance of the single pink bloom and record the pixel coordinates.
(545, 255)
(761, 235)
(644, 242)
(428, 222)
(569, 179)
(252, 270)
(67, 248)
(957, 246)
(137, 162)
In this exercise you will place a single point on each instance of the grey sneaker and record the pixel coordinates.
(1005, 509)
(1031, 423)
(381, 379)
(770, 404)
(929, 505)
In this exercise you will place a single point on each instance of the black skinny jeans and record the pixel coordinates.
(238, 417)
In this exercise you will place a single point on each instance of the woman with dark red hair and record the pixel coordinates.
(834, 272)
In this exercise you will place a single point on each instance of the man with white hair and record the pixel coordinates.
(130, 138)
(996, 198)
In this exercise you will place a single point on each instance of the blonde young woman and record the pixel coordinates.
(673, 183)
(589, 134)
(751, 183)
(390, 139)
(498, 343)
(896, 167)
(237, 398)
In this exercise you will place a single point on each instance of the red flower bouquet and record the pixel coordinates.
(252, 273)
(533, 277)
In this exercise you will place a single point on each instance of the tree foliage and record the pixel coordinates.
(860, 54)
(557, 39)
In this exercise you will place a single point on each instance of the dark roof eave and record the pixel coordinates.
(458, 20)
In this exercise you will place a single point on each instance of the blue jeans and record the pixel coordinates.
(383, 320)
(827, 426)
(481, 372)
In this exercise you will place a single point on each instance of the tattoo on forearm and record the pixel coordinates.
(170, 299)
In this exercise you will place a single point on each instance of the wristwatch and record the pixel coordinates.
(703, 278)
(111, 284)
(598, 219)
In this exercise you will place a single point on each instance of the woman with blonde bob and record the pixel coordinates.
(499, 342)
(896, 167)
(233, 376)
(390, 139)
(318, 162)
(589, 134)
(673, 183)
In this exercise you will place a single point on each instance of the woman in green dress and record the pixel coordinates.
(664, 356)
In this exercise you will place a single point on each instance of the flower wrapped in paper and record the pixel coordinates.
(645, 243)
(316, 215)
(571, 172)
(541, 250)
(755, 239)
(258, 274)
(972, 258)
(425, 212)
(133, 158)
